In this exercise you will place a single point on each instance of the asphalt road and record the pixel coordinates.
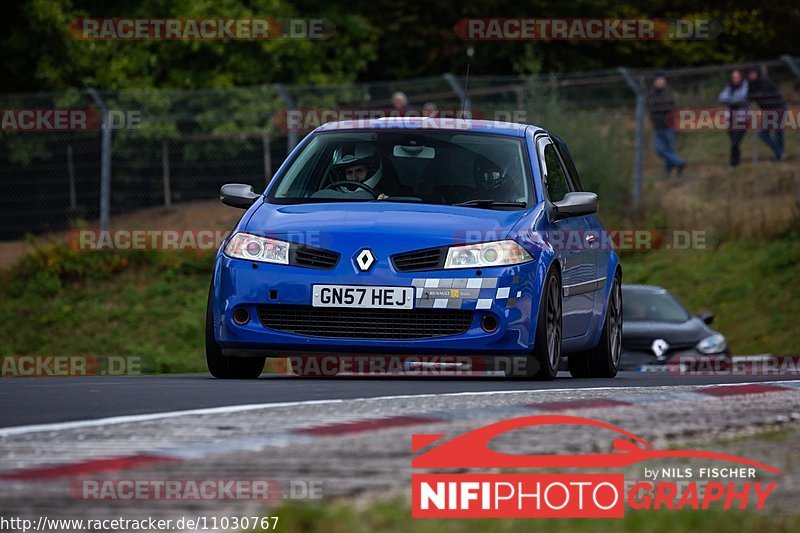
(27, 401)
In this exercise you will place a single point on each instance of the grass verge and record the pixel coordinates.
(396, 516)
(750, 286)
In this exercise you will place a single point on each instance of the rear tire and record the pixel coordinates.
(227, 367)
(602, 361)
(542, 363)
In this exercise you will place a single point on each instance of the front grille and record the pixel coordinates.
(387, 324)
(431, 259)
(308, 256)
(644, 345)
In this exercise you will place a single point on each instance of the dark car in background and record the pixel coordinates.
(656, 327)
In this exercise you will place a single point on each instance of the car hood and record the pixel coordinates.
(640, 335)
(397, 225)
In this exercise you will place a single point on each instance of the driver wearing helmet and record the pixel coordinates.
(361, 163)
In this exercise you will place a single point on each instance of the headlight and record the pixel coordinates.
(713, 344)
(486, 254)
(255, 248)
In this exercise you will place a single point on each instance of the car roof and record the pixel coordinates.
(449, 124)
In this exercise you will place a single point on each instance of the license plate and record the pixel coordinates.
(363, 297)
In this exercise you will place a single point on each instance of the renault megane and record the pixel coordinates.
(418, 236)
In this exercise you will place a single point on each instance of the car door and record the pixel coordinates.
(596, 238)
(568, 238)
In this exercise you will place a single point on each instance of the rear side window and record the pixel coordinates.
(555, 179)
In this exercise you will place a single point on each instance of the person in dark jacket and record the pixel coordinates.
(734, 95)
(661, 105)
(765, 95)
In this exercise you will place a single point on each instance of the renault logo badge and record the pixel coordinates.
(659, 348)
(365, 259)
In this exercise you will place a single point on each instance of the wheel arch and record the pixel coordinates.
(614, 269)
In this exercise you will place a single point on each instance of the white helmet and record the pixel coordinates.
(359, 154)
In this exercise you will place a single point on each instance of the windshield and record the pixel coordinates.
(651, 306)
(430, 167)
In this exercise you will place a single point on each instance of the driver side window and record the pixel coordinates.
(555, 179)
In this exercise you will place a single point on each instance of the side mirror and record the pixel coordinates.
(238, 195)
(575, 204)
(706, 317)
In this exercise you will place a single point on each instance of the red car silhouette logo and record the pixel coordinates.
(471, 449)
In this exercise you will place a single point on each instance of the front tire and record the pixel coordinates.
(602, 361)
(223, 367)
(542, 364)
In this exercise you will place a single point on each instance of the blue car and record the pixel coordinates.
(419, 237)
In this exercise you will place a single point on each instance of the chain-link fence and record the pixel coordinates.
(167, 147)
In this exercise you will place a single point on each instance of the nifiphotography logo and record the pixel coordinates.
(727, 482)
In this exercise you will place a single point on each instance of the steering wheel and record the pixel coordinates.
(356, 183)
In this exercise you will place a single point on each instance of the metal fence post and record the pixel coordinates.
(638, 141)
(792, 63)
(291, 104)
(795, 68)
(165, 174)
(105, 162)
(73, 201)
(267, 157)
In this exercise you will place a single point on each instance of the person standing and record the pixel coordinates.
(734, 95)
(661, 105)
(765, 95)
(430, 110)
(400, 105)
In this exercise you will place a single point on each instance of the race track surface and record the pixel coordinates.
(29, 401)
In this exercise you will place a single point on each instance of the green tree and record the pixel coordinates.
(38, 52)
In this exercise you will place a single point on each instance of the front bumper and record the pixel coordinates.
(510, 294)
(634, 360)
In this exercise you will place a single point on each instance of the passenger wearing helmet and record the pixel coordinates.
(499, 183)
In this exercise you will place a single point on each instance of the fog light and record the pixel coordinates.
(241, 316)
(489, 323)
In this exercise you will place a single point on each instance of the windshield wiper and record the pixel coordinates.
(487, 203)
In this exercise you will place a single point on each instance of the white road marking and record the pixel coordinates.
(77, 424)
